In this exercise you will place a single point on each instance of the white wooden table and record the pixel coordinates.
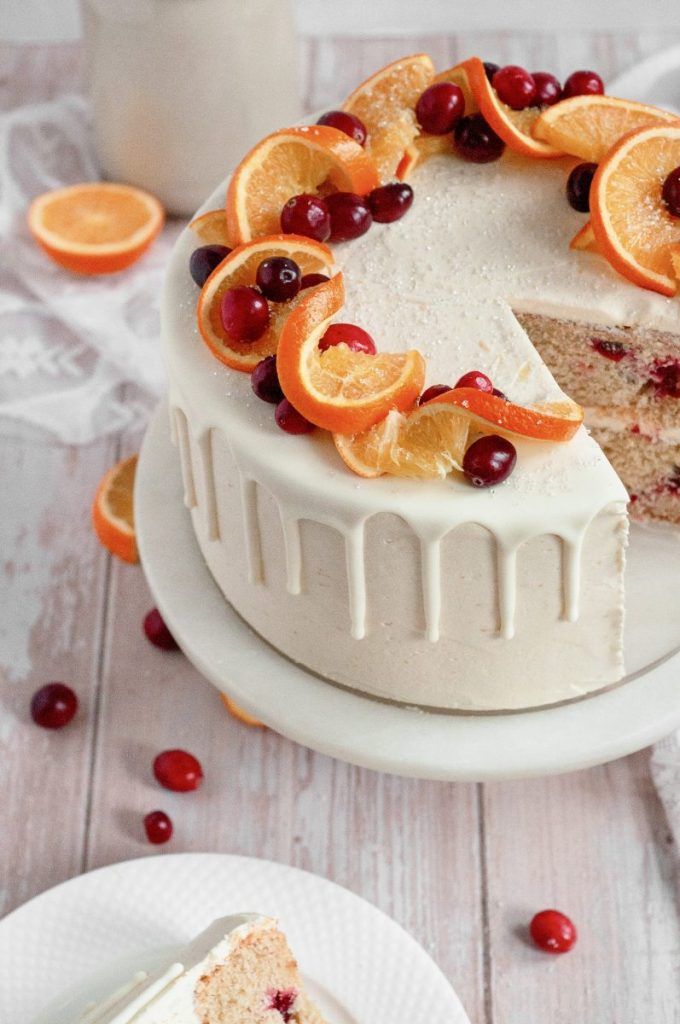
(463, 867)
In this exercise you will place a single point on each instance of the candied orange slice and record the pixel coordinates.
(339, 389)
(95, 228)
(633, 229)
(113, 510)
(549, 421)
(211, 227)
(675, 259)
(242, 716)
(307, 158)
(240, 268)
(385, 103)
(584, 239)
(513, 126)
(427, 442)
(588, 126)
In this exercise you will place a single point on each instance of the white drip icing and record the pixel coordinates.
(571, 575)
(251, 527)
(507, 588)
(356, 579)
(208, 473)
(430, 561)
(293, 546)
(180, 428)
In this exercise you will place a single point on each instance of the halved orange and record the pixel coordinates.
(113, 510)
(588, 126)
(633, 229)
(549, 421)
(427, 442)
(385, 104)
(240, 268)
(307, 158)
(339, 389)
(584, 239)
(242, 716)
(211, 227)
(95, 228)
(513, 126)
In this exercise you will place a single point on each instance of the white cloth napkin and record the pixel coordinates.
(79, 357)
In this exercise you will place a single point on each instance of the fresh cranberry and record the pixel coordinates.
(283, 1001)
(278, 278)
(670, 192)
(583, 83)
(350, 216)
(354, 337)
(244, 313)
(158, 827)
(548, 89)
(204, 260)
(265, 381)
(311, 280)
(490, 69)
(552, 931)
(613, 350)
(500, 394)
(390, 202)
(666, 376)
(157, 632)
(290, 420)
(578, 186)
(434, 391)
(440, 107)
(306, 215)
(475, 379)
(53, 706)
(178, 770)
(489, 460)
(347, 123)
(475, 140)
(515, 86)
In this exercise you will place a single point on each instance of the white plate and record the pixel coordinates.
(395, 738)
(83, 939)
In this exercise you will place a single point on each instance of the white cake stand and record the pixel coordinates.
(389, 737)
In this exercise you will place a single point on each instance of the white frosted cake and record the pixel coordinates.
(238, 971)
(428, 592)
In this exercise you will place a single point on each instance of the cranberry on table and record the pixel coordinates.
(204, 260)
(670, 192)
(306, 215)
(278, 278)
(178, 770)
(354, 337)
(475, 379)
(548, 89)
(489, 460)
(53, 706)
(265, 381)
(475, 140)
(552, 931)
(440, 107)
(157, 632)
(244, 313)
(515, 86)
(312, 280)
(578, 186)
(158, 827)
(583, 83)
(347, 123)
(490, 68)
(350, 216)
(290, 420)
(434, 391)
(390, 202)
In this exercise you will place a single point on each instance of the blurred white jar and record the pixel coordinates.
(182, 88)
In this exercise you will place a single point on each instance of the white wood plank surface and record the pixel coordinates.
(462, 867)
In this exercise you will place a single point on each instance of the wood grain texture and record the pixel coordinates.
(462, 867)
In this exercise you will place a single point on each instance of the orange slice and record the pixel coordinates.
(242, 716)
(675, 260)
(211, 227)
(633, 229)
(588, 126)
(458, 75)
(550, 421)
(240, 268)
(513, 126)
(113, 510)
(339, 389)
(385, 103)
(308, 158)
(427, 442)
(584, 239)
(95, 228)
(425, 146)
